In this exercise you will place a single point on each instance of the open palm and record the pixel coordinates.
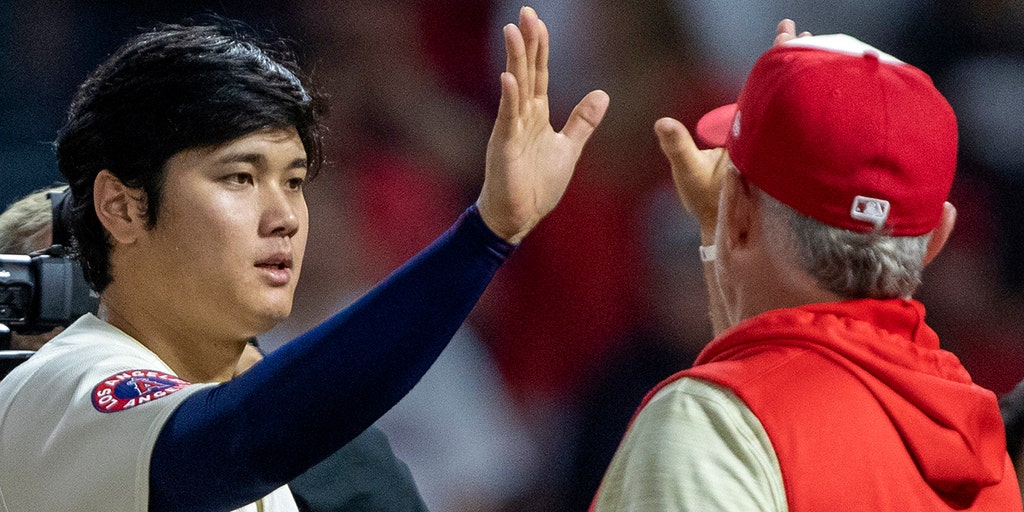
(529, 164)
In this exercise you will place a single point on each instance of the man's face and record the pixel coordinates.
(226, 251)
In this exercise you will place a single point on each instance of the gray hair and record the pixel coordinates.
(26, 225)
(853, 265)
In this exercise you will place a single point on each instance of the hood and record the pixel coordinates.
(949, 425)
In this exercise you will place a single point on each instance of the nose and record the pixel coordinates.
(281, 212)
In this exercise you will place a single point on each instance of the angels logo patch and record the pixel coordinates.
(131, 388)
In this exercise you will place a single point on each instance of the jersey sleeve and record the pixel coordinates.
(79, 422)
(695, 446)
(228, 445)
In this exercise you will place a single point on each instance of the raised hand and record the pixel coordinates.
(529, 164)
(697, 173)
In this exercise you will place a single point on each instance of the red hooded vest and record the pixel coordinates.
(863, 410)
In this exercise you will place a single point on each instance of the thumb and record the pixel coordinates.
(678, 146)
(585, 117)
(697, 174)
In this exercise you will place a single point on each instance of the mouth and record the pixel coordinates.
(276, 269)
(271, 266)
(279, 261)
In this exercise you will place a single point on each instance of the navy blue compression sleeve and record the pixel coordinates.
(229, 445)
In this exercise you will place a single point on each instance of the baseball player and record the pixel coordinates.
(364, 474)
(187, 153)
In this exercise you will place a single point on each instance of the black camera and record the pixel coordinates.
(43, 291)
(37, 294)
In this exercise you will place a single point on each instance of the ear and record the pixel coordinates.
(118, 207)
(740, 211)
(941, 233)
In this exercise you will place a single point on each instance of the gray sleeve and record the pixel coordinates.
(695, 446)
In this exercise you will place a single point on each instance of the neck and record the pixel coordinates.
(193, 353)
(763, 284)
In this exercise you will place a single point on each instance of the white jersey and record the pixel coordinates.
(78, 422)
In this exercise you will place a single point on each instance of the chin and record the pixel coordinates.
(275, 317)
(267, 319)
(258, 327)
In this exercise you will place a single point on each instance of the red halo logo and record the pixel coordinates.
(128, 389)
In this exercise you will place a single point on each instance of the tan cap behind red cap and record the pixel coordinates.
(842, 133)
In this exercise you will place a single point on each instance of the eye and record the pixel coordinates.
(296, 183)
(240, 178)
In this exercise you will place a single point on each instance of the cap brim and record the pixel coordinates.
(713, 129)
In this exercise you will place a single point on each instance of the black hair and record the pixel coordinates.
(60, 203)
(169, 89)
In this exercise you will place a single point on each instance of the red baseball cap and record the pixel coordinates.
(843, 133)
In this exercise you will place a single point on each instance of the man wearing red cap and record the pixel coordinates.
(823, 200)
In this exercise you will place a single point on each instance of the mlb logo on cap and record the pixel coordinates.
(843, 133)
(869, 209)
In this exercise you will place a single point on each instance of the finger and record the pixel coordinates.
(508, 107)
(678, 146)
(786, 26)
(529, 24)
(805, 34)
(696, 174)
(542, 60)
(785, 31)
(515, 53)
(585, 117)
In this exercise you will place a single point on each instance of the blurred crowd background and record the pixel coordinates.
(606, 297)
